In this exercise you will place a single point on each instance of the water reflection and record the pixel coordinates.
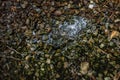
(67, 30)
(71, 29)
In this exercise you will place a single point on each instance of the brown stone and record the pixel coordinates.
(57, 13)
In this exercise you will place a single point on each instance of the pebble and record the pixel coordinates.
(91, 6)
(57, 13)
(27, 21)
(24, 4)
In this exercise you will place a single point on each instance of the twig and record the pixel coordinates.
(13, 50)
(101, 50)
(10, 57)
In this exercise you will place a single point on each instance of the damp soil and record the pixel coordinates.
(59, 40)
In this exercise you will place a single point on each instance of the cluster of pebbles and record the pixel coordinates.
(59, 40)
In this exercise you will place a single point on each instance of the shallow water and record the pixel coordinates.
(68, 30)
(71, 29)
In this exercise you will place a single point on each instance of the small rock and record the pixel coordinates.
(48, 61)
(57, 75)
(27, 21)
(57, 13)
(102, 45)
(107, 78)
(27, 57)
(52, 3)
(69, 6)
(45, 37)
(91, 6)
(38, 10)
(24, 4)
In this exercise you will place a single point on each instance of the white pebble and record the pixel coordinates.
(91, 6)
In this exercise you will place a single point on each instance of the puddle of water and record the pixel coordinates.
(71, 29)
(67, 30)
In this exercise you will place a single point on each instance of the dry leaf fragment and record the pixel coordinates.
(57, 75)
(28, 32)
(48, 29)
(117, 76)
(13, 8)
(65, 64)
(117, 20)
(114, 34)
(84, 67)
